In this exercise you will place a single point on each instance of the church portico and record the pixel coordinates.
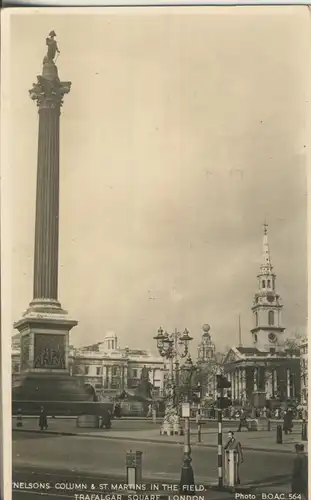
(277, 377)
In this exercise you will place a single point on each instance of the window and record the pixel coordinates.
(97, 370)
(271, 318)
(86, 370)
(135, 373)
(263, 283)
(256, 318)
(268, 283)
(15, 368)
(255, 338)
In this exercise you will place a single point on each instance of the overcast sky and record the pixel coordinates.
(184, 130)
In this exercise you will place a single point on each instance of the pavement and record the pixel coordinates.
(146, 431)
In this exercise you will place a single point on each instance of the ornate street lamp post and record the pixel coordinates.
(171, 347)
(187, 476)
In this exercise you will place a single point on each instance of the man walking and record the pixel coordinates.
(300, 473)
(233, 444)
(288, 421)
(43, 421)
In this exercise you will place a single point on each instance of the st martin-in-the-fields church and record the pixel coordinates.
(265, 371)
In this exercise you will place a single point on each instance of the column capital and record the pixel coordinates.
(49, 91)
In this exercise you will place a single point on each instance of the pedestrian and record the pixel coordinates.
(243, 421)
(149, 412)
(154, 413)
(232, 411)
(106, 420)
(43, 421)
(233, 444)
(19, 418)
(288, 422)
(117, 410)
(299, 483)
(212, 412)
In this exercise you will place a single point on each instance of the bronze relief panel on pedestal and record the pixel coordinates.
(49, 351)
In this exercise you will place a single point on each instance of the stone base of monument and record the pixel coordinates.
(55, 392)
(259, 424)
(88, 421)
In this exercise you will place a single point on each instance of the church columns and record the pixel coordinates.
(269, 382)
(233, 384)
(243, 383)
(274, 383)
(255, 379)
(288, 384)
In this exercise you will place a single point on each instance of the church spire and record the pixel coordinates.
(267, 307)
(266, 265)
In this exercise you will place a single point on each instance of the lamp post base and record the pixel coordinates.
(169, 429)
(187, 476)
(171, 424)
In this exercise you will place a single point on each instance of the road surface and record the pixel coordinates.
(160, 460)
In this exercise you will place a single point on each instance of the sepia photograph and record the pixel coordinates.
(157, 308)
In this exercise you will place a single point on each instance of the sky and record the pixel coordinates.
(185, 129)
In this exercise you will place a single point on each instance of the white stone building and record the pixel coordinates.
(303, 347)
(107, 366)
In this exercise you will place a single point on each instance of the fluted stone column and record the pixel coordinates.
(48, 92)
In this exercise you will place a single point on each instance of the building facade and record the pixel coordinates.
(107, 366)
(266, 367)
(303, 347)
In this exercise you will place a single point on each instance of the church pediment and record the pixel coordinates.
(232, 356)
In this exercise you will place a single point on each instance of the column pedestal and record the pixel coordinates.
(44, 371)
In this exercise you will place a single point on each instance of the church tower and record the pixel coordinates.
(267, 308)
(206, 349)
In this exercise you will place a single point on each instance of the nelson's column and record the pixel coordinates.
(45, 326)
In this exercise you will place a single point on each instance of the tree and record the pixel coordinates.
(292, 344)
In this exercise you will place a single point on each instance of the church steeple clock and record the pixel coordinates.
(267, 308)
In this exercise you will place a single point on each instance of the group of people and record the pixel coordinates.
(235, 413)
(287, 421)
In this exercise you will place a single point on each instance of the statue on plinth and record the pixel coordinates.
(52, 48)
(145, 387)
